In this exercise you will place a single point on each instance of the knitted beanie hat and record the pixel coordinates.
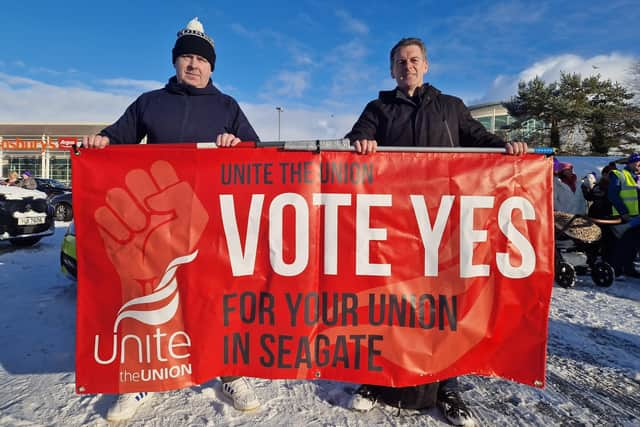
(560, 166)
(193, 40)
(635, 157)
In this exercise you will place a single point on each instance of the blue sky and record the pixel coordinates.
(322, 61)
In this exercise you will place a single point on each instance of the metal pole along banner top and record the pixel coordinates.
(393, 268)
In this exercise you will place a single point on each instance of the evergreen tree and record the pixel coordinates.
(536, 100)
(601, 108)
(634, 81)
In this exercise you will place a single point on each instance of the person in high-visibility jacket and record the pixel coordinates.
(624, 193)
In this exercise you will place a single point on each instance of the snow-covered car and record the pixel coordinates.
(25, 216)
(68, 263)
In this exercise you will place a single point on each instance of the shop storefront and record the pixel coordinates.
(47, 155)
(45, 158)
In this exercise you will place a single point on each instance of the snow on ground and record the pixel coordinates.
(593, 369)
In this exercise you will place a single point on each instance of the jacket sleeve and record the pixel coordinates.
(241, 126)
(472, 133)
(366, 127)
(128, 128)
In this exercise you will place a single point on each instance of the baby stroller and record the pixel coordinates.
(579, 249)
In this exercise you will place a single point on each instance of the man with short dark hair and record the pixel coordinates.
(417, 114)
(188, 109)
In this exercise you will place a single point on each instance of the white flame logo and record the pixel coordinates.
(168, 286)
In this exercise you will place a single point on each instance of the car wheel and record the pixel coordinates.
(63, 212)
(27, 241)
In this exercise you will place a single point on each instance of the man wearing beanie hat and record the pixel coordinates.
(624, 193)
(188, 109)
(193, 40)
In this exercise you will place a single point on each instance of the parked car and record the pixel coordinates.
(25, 216)
(59, 195)
(68, 262)
(51, 186)
(62, 207)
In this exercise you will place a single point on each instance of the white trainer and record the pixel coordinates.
(242, 394)
(126, 405)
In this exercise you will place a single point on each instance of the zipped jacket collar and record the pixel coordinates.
(426, 94)
(182, 89)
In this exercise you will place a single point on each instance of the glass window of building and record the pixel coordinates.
(60, 169)
(30, 162)
(487, 122)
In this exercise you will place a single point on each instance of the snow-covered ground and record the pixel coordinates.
(593, 369)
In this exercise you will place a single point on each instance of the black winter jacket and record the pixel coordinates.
(180, 113)
(429, 119)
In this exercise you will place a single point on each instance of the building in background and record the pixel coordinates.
(41, 148)
(495, 118)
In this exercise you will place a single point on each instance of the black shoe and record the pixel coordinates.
(453, 408)
(363, 400)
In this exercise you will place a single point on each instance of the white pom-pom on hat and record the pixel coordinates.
(195, 28)
(196, 25)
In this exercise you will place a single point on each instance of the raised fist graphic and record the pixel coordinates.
(144, 226)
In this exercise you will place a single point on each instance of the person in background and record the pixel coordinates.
(623, 192)
(599, 207)
(417, 114)
(596, 194)
(12, 179)
(188, 109)
(565, 196)
(588, 183)
(28, 181)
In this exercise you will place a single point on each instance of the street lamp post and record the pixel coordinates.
(279, 109)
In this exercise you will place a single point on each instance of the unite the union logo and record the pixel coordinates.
(150, 228)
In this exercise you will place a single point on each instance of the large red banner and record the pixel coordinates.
(393, 268)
